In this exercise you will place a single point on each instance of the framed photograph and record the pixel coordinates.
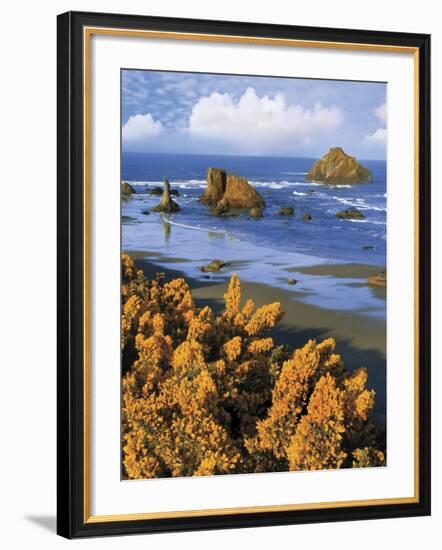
(243, 274)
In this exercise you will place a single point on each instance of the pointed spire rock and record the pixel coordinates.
(167, 205)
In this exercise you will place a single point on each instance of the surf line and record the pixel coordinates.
(193, 228)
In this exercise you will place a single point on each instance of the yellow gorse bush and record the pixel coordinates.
(206, 394)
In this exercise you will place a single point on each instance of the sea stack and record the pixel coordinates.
(286, 211)
(338, 167)
(240, 194)
(230, 194)
(378, 279)
(216, 186)
(167, 205)
(126, 190)
(350, 214)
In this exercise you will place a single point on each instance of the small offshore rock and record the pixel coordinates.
(292, 281)
(213, 266)
(175, 192)
(255, 213)
(306, 217)
(145, 212)
(367, 247)
(350, 214)
(286, 211)
(157, 191)
(378, 279)
(223, 210)
(127, 190)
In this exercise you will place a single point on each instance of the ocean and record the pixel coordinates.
(270, 249)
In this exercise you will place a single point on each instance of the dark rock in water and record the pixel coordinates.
(286, 211)
(213, 266)
(127, 190)
(306, 217)
(292, 281)
(157, 191)
(167, 205)
(311, 191)
(378, 279)
(368, 247)
(228, 213)
(338, 167)
(175, 192)
(222, 209)
(145, 212)
(350, 214)
(255, 213)
(216, 186)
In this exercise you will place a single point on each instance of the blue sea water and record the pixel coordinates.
(277, 243)
(281, 182)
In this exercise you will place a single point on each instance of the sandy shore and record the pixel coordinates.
(360, 340)
(351, 271)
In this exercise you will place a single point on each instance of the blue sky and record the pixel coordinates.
(173, 112)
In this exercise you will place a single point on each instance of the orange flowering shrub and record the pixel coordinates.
(204, 394)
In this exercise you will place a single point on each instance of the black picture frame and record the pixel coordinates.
(71, 393)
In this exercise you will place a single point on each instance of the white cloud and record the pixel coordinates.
(381, 112)
(379, 136)
(259, 124)
(140, 127)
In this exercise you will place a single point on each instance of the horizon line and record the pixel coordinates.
(239, 155)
